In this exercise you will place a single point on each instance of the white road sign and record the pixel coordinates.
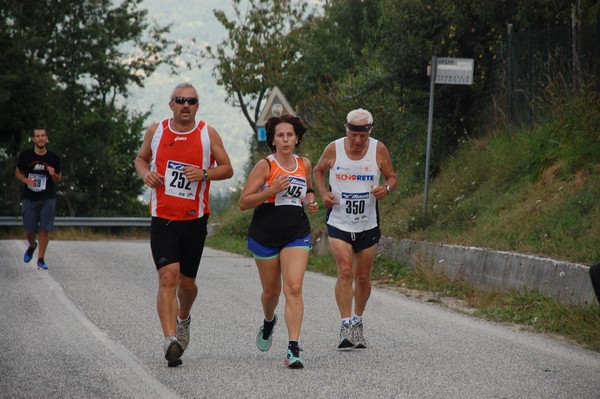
(454, 71)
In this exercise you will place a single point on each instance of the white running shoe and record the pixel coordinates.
(358, 336)
(346, 339)
(183, 332)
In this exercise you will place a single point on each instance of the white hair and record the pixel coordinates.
(359, 115)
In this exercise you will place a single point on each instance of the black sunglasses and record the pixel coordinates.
(183, 100)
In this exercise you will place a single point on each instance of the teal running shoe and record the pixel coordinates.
(263, 344)
(29, 253)
(293, 359)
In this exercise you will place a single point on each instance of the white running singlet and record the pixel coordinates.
(351, 182)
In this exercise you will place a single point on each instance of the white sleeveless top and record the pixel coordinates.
(351, 183)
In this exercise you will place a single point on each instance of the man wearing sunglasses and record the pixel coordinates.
(178, 159)
(356, 164)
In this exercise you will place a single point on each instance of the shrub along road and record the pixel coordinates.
(88, 327)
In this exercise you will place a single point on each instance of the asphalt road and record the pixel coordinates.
(87, 328)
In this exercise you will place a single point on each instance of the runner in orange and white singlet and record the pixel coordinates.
(178, 159)
(278, 188)
(179, 198)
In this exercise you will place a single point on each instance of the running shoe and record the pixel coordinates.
(358, 336)
(29, 253)
(263, 344)
(42, 265)
(183, 332)
(346, 340)
(173, 351)
(293, 359)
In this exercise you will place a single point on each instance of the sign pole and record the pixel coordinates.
(429, 128)
(452, 71)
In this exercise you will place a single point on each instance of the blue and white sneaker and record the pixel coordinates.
(293, 359)
(29, 253)
(263, 344)
(41, 264)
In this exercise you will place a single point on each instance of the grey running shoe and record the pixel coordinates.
(346, 340)
(263, 344)
(358, 336)
(173, 350)
(183, 332)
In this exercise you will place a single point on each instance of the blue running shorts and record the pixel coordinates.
(262, 252)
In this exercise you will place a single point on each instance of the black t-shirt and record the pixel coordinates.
(36, 166)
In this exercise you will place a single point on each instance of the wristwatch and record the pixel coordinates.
(389, 190)
(205, 177)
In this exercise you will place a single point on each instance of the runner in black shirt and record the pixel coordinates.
(38, 169)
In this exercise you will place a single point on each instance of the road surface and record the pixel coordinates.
(87, 328)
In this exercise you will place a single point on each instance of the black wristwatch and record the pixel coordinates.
(387, 187)
(205, 177)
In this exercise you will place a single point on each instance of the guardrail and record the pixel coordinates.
(14, 221)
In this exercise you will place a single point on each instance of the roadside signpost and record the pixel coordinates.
(453, 71)
(276, 105)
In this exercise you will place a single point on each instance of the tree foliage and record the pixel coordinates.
(374, 54)
(257, 52)
(65, 66)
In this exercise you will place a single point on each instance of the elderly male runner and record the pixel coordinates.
(355, 164)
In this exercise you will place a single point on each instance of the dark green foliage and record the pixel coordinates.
(374, 55)
(257, 53)
(68, 76)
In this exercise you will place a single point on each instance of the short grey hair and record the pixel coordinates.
(359, 115)
(183, 85)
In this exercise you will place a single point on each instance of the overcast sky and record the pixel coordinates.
(195, 19)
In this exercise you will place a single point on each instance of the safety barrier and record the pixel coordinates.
(14, 221)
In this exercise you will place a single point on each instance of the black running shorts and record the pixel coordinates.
(175, 241)
(359, 241)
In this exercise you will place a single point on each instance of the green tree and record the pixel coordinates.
(22, 76)
(374, 54)
(257, 52)
(77, 60)
(341, 68)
